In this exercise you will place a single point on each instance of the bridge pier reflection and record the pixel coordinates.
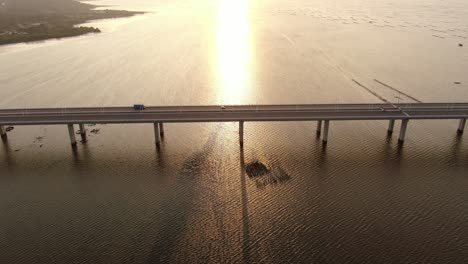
(326, 127)
(241, 133)
(461, 126)
(404, 125)
(3, 132)
(319, 127)
(83, 133)
(156, 133)
(391, 126)
(161, 129)
(71, 133)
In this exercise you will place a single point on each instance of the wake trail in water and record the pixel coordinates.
(398, 91)
(372, 92)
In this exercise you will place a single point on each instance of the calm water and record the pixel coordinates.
(119, 199)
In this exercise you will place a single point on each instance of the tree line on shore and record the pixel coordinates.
(35, 20)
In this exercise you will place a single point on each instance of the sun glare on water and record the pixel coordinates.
(233, 51)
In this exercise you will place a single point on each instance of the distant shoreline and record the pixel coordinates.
(20, 23)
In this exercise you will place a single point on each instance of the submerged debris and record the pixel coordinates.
(460, 45)
(276, 176)
(256, 169)
(264, 176)
(457, 82)
(95, 131)
(8, 129)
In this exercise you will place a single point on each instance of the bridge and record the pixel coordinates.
(323, 114)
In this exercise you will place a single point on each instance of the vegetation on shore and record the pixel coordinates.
(35, 20)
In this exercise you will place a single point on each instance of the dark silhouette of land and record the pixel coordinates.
(34, 20)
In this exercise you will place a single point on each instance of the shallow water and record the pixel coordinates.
(120, 199)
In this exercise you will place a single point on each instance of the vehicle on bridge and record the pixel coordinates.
(139, 106)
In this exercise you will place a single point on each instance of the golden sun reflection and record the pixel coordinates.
(233, 51)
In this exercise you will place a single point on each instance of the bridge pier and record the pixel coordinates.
(241, 132)
(461, 126)
(326, 127)
(319, 127)
(71, 133)
(391, 125)
(156, 133)
(161, 129)
(404, 125)
(83, 133)
(3, 131)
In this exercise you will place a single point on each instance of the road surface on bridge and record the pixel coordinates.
(171, 114)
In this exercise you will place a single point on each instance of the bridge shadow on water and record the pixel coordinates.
(172, 218)
(246, 242)
(82, 157)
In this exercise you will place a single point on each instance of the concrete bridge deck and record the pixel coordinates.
(235, 113)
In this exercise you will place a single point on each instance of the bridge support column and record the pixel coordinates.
(161, 129)
(319, 127)
(241, 132)
(83, 133)
(404, 125)
(461, 126)
(391, 125)
(3, 131)
(156, 133)
(326, 127)
(71, 133)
